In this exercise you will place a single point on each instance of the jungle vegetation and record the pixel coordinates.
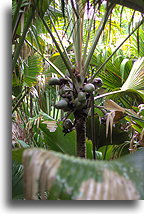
(77, 100)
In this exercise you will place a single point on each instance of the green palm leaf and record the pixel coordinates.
(134, 83)
(58, 62)
(56, 141)
(57, 176)
(135, 79)
(32, 69)
(17, 181)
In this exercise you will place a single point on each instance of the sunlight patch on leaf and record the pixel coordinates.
(113, 187)
(54, 176)
(42, 166)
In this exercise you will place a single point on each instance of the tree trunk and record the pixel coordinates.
(80, 125)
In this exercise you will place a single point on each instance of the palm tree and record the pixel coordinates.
(81, 94)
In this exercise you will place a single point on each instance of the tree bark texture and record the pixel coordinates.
(80, 126)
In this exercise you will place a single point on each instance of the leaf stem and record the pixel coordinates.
(20, 100)
(67, 63)
(107, 94)
(16, 18)
(63, 56)
(97, 36)
(47, 60)
(22, 38)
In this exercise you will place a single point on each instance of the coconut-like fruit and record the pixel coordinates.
(97, 82)
(54, 81)
(64, 90)
(61, 92)
(62, 104)
(63, 80)
(89, 88)
(81, 96)
(79, 105)
(68, 124)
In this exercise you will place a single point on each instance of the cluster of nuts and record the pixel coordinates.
(70, 99)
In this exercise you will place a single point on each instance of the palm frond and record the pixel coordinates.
(134, 47)
(17, 181)
(133, 86)
(56, 176)
(135, 79)
(133, 4)
(32, 69)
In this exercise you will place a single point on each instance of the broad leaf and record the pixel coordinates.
(57, 176)
(58, 142)
(135, 79)
(32, 69)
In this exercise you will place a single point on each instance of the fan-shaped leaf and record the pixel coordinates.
(32, 69)
(135, 79)
(123, 69)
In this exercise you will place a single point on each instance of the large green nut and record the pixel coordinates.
(79, 105)
(62, 104)
(81, 96)
(64, 90)
(61, 92)
(97, 82)
(54, 81)
(68, 124)
(89, 88)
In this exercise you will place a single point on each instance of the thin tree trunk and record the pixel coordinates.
(80, 125)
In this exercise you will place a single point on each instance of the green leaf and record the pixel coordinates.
(123, 70)
(32, 69)
(23, 144)
(109, 151)
(58, 142)
(70, 178)
(58, 62)
(17, 155)
(98, 112)
(89, 149)
(135, 79)
(17, 181)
